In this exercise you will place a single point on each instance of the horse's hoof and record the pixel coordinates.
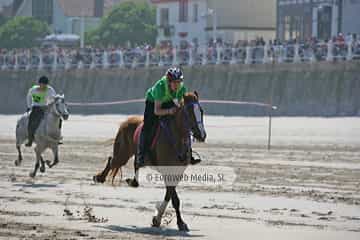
(132, 182)
(183, 227)
(51, 165)
(32, 174)
(42, 169)
(48, 163)
(97, 179)
(155, 222)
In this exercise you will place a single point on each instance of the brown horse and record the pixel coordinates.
(172, 150)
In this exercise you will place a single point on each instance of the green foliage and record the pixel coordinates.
(22, 32)
(128, 22)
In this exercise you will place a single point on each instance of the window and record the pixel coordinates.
(43, 10)
(287, 28)
(99, 8)
(183, 10)
(324, 22)
(164, 17)
(195, 12)
(75, 26)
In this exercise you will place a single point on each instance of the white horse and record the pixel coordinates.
(47, 135)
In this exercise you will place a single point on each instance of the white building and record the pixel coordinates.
(201, 20)
(181, 20)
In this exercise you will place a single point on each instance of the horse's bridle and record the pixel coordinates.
(188, 128)
(56, 112)
(187, 117)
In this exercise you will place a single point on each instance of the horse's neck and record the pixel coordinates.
(52, 122)
(179, 127)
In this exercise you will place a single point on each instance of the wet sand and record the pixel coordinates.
(306, 187)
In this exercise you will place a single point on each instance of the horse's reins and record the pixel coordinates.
(56, 113)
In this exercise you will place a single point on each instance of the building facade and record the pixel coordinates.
(323, 19)
(244, 19)
(351, 16)
(203, 20)
(181, 20)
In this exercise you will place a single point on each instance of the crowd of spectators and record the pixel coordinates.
(339, 48)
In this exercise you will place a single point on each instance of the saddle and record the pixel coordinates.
(155, 138)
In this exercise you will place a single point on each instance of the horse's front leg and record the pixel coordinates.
(38, 152)
(20, 158)
(156, 221)
(176, 204)
(55, 150)
(42, 164)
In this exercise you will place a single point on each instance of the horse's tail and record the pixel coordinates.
(21, 130)
(124, 146)
(123, 149)
(113, 174)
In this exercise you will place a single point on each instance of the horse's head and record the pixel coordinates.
(195, 115)
(60, 107)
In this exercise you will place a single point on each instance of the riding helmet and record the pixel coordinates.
(43, 80)
(174, 73)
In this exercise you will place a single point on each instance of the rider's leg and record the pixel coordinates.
(34, 121)
(140, 153)
(145, 135)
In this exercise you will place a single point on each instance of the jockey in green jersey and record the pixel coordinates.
(161, 99)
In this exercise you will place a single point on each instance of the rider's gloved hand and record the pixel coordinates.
(28, 109)
(172, 110)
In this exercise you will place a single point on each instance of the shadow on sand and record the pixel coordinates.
(35, 185)
(151, 231)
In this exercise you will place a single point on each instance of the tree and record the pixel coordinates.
(128, 22)
(22, 32)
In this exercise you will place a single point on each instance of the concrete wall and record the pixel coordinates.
(322, 89)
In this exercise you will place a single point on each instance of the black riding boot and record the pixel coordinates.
(141, 151)
(34, 121)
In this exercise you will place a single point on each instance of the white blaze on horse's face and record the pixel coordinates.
(61, 107)
(199, 121)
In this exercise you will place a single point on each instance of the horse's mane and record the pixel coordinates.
(190, 97)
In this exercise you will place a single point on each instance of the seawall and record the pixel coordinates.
(318, 89)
